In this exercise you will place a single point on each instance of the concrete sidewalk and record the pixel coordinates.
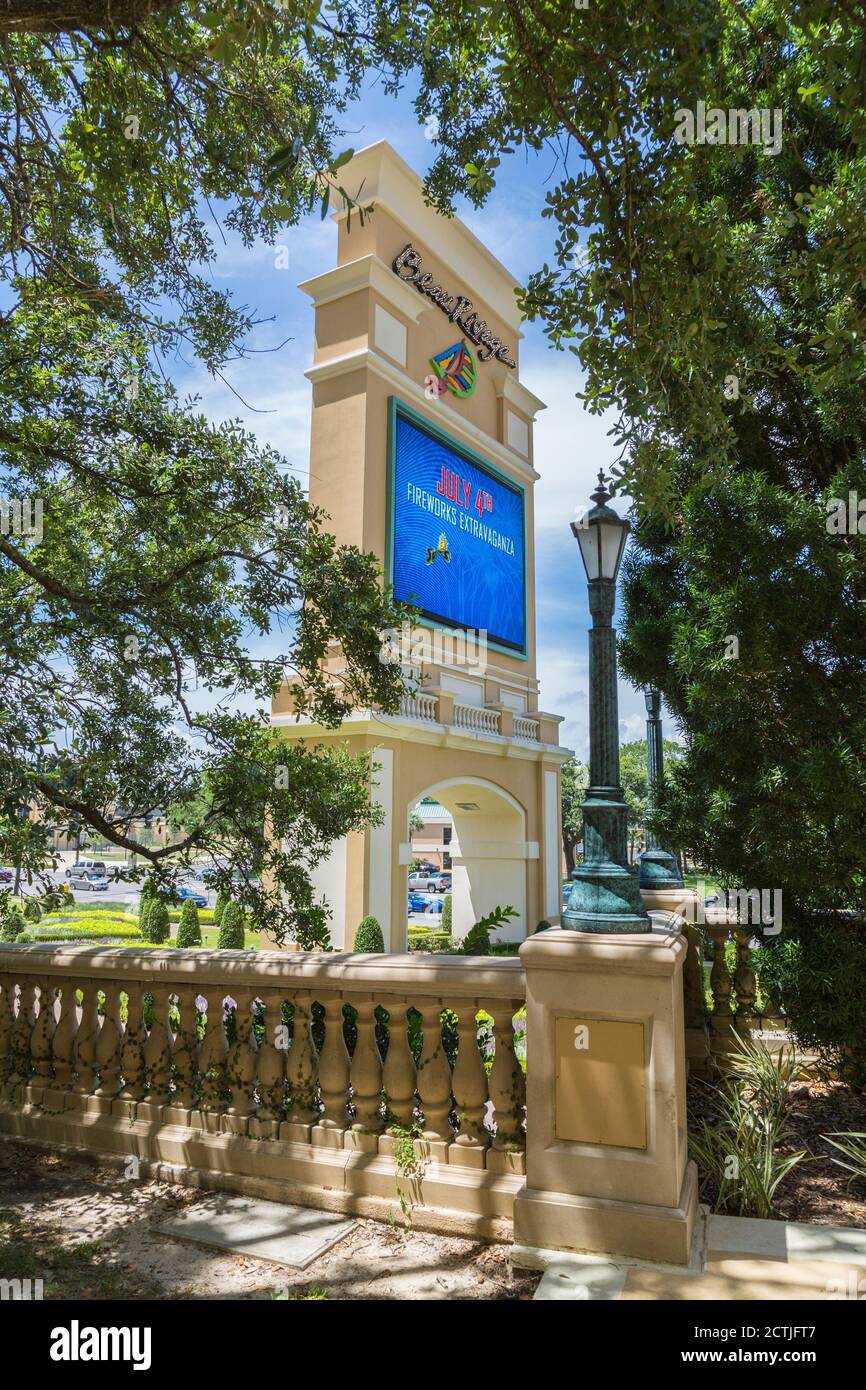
(734, 1259)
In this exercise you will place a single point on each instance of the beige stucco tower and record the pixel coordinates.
(440, 486)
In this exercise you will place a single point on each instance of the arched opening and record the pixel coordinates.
(488, 851)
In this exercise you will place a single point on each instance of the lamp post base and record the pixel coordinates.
(658, 869)
(605, 899)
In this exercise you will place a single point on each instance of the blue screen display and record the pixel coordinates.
(457, 538)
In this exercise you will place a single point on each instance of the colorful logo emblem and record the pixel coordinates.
(456, 370)
(440, 549)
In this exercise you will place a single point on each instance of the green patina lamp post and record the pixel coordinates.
(658, 868)
(605, 896)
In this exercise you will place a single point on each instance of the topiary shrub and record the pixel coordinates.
(446, 914)
(231, 937)
(158, 929)
(188, 931)
(32, 911)
(147, 896)
(222, 902)
(369, 936)
(144, 911)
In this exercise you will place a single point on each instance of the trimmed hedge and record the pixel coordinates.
(368, 937)
(157, 923)
(189, 931)
(231, 937)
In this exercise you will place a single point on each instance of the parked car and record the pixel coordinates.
(417, 902)
(6, 875)
(189, 895)
(435, 904)
(94, 883)
(430, 883)
(87, 866)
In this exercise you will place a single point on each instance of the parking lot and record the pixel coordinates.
(117, 893)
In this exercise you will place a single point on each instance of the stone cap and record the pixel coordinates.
(659, 952)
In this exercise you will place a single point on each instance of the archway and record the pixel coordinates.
(489, 852)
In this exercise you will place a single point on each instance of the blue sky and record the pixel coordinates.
(570, 444)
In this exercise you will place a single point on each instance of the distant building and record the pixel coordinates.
(432, 842)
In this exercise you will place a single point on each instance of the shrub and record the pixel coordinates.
(189, 931)
(231, 937)
(446, 914)
(369, 936)
(147, 896)
(543, 925)
(157, 923)
(144, 910)
(11, 926)
(817, 982)
(222, 902)
(32, 910)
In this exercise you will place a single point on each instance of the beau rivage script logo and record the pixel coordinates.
(457, 308)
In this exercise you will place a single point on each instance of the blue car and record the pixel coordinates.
(187, 895)
(417, 902)
(435, 904)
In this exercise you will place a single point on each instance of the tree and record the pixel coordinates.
(150, 546)
(713, 292)
(231, 934)
(633, 777)
(188, 929)
(574, 782)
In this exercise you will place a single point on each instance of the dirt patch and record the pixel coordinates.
(87, 1233)
(817, 1189)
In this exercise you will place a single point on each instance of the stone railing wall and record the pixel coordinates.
(475, 717)
(525, 729)
(247, 1071)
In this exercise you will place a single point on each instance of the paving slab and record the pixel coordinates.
(275, 1231)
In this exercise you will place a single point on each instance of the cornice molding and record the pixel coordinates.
(365, 359)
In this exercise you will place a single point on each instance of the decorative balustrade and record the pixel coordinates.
(525, 729)
(475, 717)
(327, 1057)
(733, 986)
(419, 706)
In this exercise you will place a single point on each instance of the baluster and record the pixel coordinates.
(157, 1057)
(507, 1082)
(86, 1037)
(399, 1072)
(7, 1024)
(43, 1032)
(301, 1069)
(271, 1070)
(107, 1052)
(469, 1081)
(434, 1076)
(184, 1056)
(212, 1060)
(720, 984)
(745, 984)
(21, 1031)
(367, 1074)
(63, 1045)
(132, 1047)
(333, 1077)
(241, 1066)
